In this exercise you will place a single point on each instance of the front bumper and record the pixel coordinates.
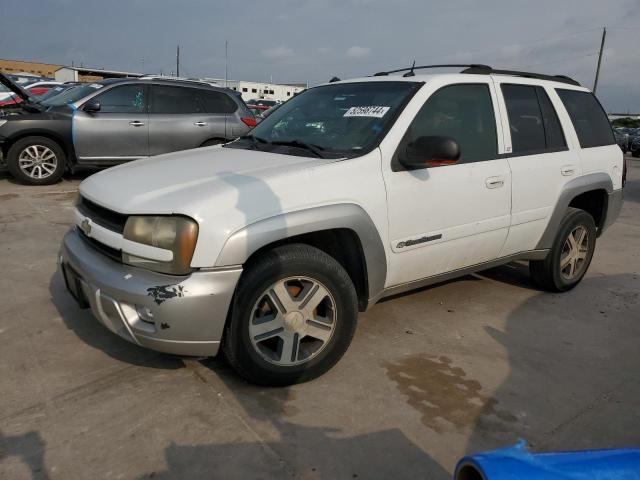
(179, 315)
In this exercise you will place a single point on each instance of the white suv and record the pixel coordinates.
(350, 192)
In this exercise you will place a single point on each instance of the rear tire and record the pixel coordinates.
(570, 254)
(293, 317)
(36, 161)
(212, 142)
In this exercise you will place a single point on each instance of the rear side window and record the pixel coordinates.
(588, 117)
(216, 102)
(172, 100)
(533, 122)
(123, 99)
(463, 113)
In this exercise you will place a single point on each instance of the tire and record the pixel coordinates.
(212, 142)
(549, 274)
(278, 291)
(48, 161)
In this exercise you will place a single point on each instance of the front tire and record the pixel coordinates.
(36, 161)
(294, 315)
(570, 254)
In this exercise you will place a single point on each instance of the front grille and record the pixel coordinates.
(110, 252)
(102, 216)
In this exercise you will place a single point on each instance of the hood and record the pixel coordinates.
(188, 182)
(14, 88)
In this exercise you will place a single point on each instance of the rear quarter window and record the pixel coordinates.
(588, 117)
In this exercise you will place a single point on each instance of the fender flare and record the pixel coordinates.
(577, 186)
(246, 241)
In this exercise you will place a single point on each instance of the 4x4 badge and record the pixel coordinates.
(85, 226)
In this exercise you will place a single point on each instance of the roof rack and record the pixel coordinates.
(480, 69)
(484, 70)
(178, 79)
(410, 70)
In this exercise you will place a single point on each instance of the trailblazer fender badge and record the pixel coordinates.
(85, 226)
(416, 241)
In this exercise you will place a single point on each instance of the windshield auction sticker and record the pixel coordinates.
(96, 85)
(366, 111)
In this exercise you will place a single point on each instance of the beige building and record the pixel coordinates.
(34, 68)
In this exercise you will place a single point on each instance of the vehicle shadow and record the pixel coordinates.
(572, 380)
(308, 452)
(90, 331)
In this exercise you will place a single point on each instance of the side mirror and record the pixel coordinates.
(92, 106)
(430, 152)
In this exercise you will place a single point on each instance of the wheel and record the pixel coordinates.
(570, 255)
(212, 142)
(294, 315)
(36, 161)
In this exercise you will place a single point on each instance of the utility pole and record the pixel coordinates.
(226, 61)
(604, 35)
(178, 61)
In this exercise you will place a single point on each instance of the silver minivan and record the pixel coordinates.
(114, 121)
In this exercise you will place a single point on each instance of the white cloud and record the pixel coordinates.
(278, 53)
(357, 52)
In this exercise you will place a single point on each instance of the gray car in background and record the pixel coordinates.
(114, 121)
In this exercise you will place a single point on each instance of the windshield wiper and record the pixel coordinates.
(255, 140)
(315, 149)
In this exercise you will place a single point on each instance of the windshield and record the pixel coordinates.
(72, 95)
(345, 119)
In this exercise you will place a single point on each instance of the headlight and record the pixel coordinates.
(175, 233)
(2, 122)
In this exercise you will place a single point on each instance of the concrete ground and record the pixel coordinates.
(468, 365)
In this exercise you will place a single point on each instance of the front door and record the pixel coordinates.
(118, 131)
(445, 218)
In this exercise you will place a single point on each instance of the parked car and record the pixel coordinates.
(35, 90)
(114, 121)
(635, 146)
(352, 191)
(622, 139)
(263, 102)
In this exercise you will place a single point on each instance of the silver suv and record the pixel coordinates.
(114, 121)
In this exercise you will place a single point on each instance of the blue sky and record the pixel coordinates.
(313, 40)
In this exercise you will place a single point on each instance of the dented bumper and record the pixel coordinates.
(179, 315)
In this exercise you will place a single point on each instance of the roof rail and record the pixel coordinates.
(484, 70)
(178, 79)
(410, 70)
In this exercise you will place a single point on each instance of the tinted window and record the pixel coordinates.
(124, 99)
(169, 100)
(216, 102)
(552, 129)
(525, 118)
(463, 113)
(588, 117)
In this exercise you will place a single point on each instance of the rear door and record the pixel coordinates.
(177, 119)
(541, 158)
(119, 131)
(219, 108)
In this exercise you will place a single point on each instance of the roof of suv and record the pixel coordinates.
(167, 81)
(471, 71)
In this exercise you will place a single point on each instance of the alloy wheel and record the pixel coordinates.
(37, 161)
(574, 253)
(292, 321)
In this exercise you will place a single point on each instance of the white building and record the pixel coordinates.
(269, 91)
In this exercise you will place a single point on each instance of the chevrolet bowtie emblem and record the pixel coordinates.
(85, 226)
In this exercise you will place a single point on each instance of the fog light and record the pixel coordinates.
(145, 313)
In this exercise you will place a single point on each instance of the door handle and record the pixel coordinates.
(136, 123)
(494, 182)
(568, 170)
(200, 124)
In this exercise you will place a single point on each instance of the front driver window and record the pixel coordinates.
(463, 113)
(124, 99)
